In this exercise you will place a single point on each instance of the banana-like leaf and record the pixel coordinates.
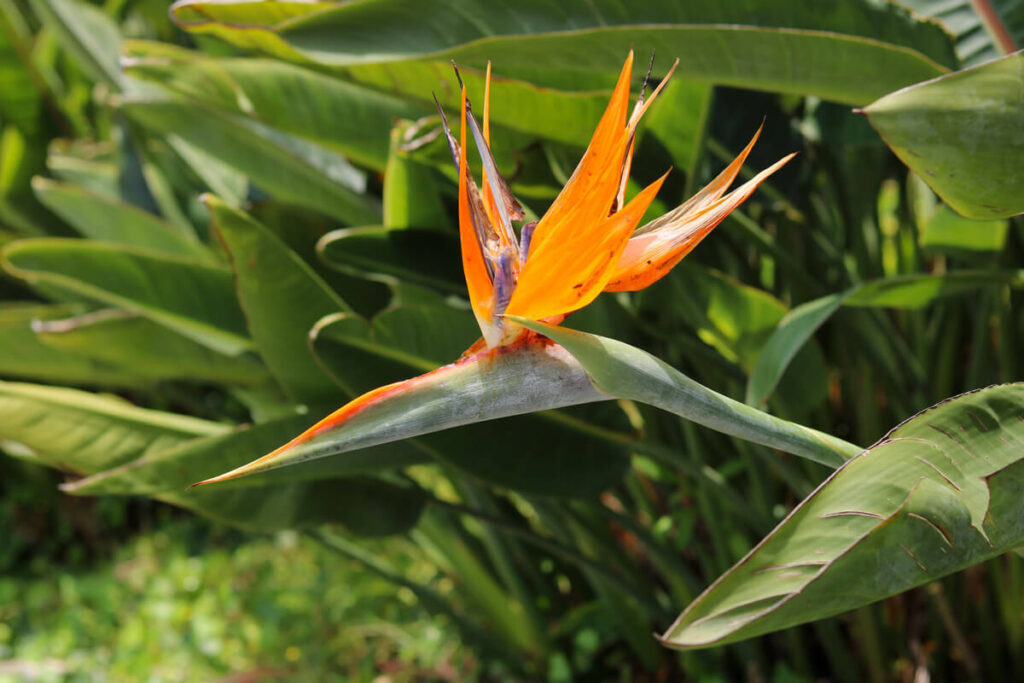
(366, 506)
(88, 34)
(140, 348)
(350, 119)
(107, 220)
(283, 165)
(851, 52)
(736, 320)
(172, 470)
(411, 193)
(961, 134)
(282, 298)
(85, 433)
(938, 493)
(25, 354)
(946, 232)
(193, 298)
(978, 38)
(906, 292)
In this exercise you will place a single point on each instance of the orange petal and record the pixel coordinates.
(588, 195)
(558, 280)
(650, 255)
(478, 280)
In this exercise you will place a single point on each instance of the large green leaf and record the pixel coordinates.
(282, 298)
(345, 117)
(961, 134)
(107, 220)
(978, 39)
(173, 470)
(281, 164)
(851, 52)
(25, 355)
(905, 292)
(190, 297)
(736, 320)
(86, 433)
(938, 493)
(946, 232)
(88, 34)
(140, 348)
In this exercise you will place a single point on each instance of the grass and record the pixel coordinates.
(193, 602)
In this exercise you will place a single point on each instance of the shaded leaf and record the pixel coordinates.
(174, 470)
(975, 42)
(904, 292)
(282, 298)
(140, 348)
(425, 257)
(283, 165)
(106, 220)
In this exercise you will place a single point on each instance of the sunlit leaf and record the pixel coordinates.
(938, 493)
(961, 134)
(191, 297)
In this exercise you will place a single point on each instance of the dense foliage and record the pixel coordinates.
(219, 224)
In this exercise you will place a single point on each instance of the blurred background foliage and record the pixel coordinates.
(138, 334)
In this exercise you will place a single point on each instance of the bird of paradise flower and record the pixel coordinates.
(586, 243)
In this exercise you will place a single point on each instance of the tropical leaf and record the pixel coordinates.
(173, 470)
(140, 348)
(85, 433)
(283, 165)
(283, 298)
(424, 257)
(348, 118)
(946, 232)
(938, 493)
(961, 134)
(980, 37)
(851, 52)
(106, 220)
(25, 355)
(86, 33)
(193, 298)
